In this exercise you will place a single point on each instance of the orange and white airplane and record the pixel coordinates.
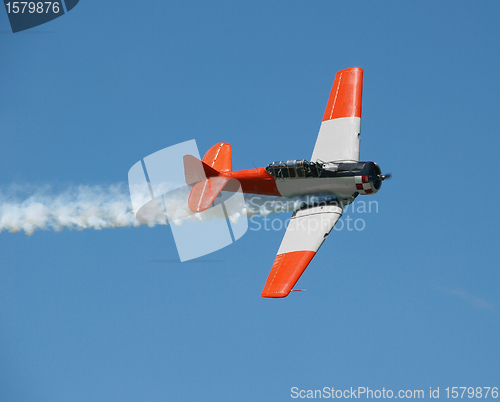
(334, 169)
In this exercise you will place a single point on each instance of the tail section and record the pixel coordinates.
(217, 160)
(207, 175)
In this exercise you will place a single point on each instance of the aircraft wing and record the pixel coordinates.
(338, 137)
(305, 234)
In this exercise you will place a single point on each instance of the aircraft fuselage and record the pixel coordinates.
(287, 179)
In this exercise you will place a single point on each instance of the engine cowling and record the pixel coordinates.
(371, 181)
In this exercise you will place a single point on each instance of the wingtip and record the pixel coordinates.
(285, 272)
(274, 295)
(353, 69)
(346, 94)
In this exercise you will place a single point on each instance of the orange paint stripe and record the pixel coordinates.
(256, 181)
(285, 273)
(346, 94)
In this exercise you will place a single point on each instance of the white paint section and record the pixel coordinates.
(341, 186)
(338, 140)
(309, 228)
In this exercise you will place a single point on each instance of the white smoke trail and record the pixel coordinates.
(28, 208)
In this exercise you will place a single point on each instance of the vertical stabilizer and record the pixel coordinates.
(219, 157)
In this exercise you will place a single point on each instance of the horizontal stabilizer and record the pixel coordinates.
(204, 193)
(196, 170)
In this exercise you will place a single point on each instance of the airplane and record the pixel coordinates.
(334, 170)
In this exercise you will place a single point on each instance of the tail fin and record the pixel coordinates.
(219, 157)
(206, 175)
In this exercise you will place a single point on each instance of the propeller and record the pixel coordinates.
(387, 176)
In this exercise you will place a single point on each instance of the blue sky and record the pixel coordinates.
(410, 302)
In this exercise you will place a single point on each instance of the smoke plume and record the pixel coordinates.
(28, 208)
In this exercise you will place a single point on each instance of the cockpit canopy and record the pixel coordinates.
(296, 169)
(293, 169)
